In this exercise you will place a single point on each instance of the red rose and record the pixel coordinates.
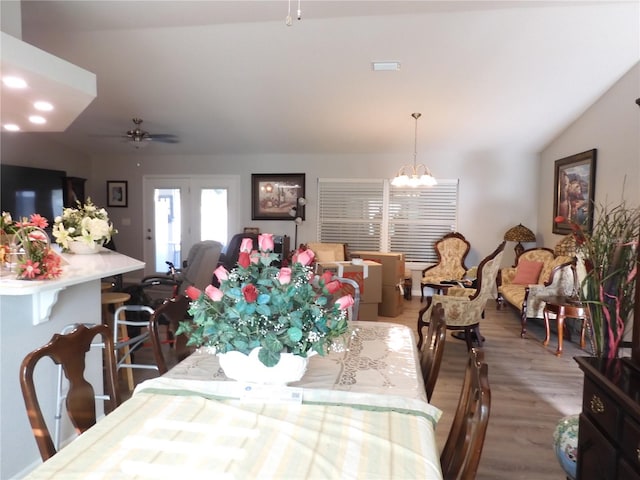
(250, 293)
(192, 292)
(333, 287)
(244, 260)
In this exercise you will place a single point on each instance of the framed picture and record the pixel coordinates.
(117, 193)
(274, 195)
(573, 196)
(252, 230)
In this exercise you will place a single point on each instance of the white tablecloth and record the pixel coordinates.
(362, 416)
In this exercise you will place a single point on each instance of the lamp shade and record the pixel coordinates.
(519, 233)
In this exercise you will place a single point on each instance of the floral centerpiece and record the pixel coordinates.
(29, 248)
(608, 255)
(280, 309)
(86, 224)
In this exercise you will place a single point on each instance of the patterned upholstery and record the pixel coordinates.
(452, 250)
(464, 307)
(557, 277)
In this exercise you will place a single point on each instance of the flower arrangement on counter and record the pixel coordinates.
(609, 255)
(87, 223)
(28, 249)
(281, 309)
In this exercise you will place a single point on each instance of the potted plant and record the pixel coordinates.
(268, 311)
(83, 229)
(608, 267)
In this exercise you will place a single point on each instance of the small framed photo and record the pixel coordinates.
(274, 195)
(252, 230)
(117, 193)
(574, 188)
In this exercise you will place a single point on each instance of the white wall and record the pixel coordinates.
(497, 189)
(612, 125)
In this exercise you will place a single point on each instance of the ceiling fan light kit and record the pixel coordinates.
(140, 137)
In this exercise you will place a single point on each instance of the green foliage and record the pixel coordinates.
(609, 253)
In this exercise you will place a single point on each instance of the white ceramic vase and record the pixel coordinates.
(249, 368)
(83, 248)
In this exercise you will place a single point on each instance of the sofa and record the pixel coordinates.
(538, 273)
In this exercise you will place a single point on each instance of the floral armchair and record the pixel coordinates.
(452, 250)
(539, 273)
(464, 307)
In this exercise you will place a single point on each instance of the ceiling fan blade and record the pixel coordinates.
(164, 138)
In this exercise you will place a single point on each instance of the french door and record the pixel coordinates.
(182, 210)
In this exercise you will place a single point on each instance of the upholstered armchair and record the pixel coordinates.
(464, 309)
(452, 250)
(538, 273)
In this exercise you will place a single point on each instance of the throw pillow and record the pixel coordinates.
(325, 256)
(527, 272)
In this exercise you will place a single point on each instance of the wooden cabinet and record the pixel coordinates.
(609, 433)
(73, 191)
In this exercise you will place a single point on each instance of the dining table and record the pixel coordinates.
(360, 412)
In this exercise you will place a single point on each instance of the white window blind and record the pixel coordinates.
(373, 215)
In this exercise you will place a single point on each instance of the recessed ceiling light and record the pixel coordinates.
(14, 82)
(385, 66)
(37, 119)
(43, 106)
(11, 127)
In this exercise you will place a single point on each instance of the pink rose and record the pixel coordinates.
(305, 258)
(284, 277)
(265, 242)
(250, 293)
(214, 293)
(255, 258)
(246, 245)
(221, 273)
(192, 292)
(345, 302)
(243, 259)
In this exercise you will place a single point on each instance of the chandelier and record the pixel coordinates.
(417, 175)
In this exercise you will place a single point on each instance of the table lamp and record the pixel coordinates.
(519, 234)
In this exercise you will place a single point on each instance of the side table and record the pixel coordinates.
(564, 307)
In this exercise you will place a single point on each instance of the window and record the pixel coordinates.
(373, 215)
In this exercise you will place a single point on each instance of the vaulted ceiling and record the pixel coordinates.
(230, 77)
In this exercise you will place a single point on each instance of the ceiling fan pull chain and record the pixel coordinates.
(299, 11)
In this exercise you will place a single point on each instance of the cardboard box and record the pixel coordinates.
(368, 311)
(368, 275)
(392, 304)
(392, 264)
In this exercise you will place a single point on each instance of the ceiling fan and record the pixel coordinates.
(139, 136)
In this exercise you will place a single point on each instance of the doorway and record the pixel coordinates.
(182, 210)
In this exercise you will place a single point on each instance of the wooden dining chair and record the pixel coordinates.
(433, 349)
(171, 313)
(69, 351)
(460, 456)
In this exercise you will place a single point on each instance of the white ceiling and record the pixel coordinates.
(230, 77)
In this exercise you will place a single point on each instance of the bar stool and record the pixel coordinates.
(117, 299)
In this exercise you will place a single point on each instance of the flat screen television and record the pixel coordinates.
(28, 190)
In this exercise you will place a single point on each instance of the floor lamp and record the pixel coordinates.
(297, 213)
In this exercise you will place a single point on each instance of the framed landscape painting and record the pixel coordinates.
(274, 195)
(574, 186)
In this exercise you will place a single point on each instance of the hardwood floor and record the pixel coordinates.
(531, 389)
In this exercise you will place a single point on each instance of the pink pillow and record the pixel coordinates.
(527, 272)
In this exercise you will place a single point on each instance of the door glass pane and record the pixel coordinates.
(213, 214)
(167, 221)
